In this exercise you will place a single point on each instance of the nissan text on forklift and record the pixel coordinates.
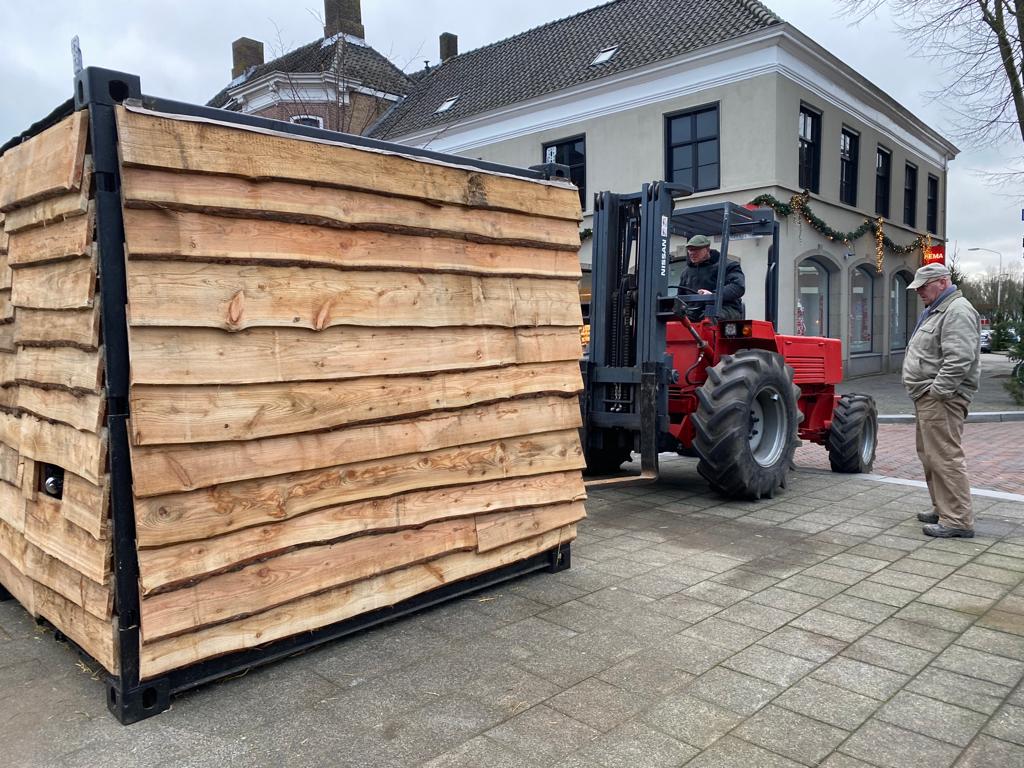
(733, 393)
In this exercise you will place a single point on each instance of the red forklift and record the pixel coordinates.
(665, 374)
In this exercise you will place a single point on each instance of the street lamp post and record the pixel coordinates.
(999, 275)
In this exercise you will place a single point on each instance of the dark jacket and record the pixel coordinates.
(697, 276)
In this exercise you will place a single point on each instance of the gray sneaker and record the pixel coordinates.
(942, 532)
(927, 517)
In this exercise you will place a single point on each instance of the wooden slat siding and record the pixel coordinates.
(12, 507)
(7, 338)
(46, 527)
(171, 234)
(63, 240)
(9, 460)
(196, 414)
(263, 355)
(8, 369)
(64, 285)
(494, 531)
(171, 469)
(311, 204)
(48, 164)
(6, 306)
(97, 637)
(95, 598)
(87, 505)
(77, 328)
(82, 411)
(83, 453)
(14, 547)
(296, 574)
(160, 142)
(10, 429)
(335, 605)
(216, 511)
(178, 563)
(60, 366)
(18, 584)
(4, 236)
(6, 273)
(234, 297)
(54, 209)
(29, 472)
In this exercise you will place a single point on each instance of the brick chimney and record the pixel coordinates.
(343, 16)
(449, 46)
(245, 53)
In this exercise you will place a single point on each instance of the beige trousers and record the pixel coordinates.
(940, 428)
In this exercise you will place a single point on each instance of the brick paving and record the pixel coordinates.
(816, 628)
(995, 454)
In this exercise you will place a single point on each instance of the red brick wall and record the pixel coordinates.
(355, 117)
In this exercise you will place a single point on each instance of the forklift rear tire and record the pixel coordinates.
(745, 426)
(853, 436)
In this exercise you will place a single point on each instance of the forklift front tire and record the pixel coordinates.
(853, 436)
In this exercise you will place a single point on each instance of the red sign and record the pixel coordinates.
(936, 254)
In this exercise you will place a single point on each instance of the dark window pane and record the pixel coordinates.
(707, 124)
(682, 157)
(683, 176)
(681, 129)
(693, 141)
(707, 152)
(707, 176)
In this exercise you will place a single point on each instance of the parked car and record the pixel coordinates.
(986, 341)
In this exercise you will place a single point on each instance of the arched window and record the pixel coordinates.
(900, 310)
(861, 305)
(812, 299)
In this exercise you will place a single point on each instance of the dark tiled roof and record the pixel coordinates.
(361, 63)
(559, 54)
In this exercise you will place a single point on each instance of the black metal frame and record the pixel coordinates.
(129, 698)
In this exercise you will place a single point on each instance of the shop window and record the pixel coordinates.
(812, 299)
(861, 305)
(900, 309)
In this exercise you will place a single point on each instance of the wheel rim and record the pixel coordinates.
(768, 426)
(867, 447)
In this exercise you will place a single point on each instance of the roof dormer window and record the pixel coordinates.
(604, 55)
(446, 105)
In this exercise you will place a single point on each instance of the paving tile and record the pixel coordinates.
(576, 616)
(832, 624)
(952, 688)
(635, 744)
(786, 600)
(478, 752)
(858, 562)
(511, 689)
(897, 542)
(999, 643)
(719, 594)
(598, 704)
(987, 752)
(929, 555)
(716, 630)
(988, 573)
(806, 645)
(774, 566)
(726, 688)
(791, 734)
(934, 616)
(913, 634)
(911, 581)
(648, 673)
(685, 608)
(1008, 725)
(563, 666)
(858, 608)
(694, 721)
(847, 576)
(882, 593)
(837, 760)
(761, 617)
(615, 599)
(654, 585)
(985, 666)
(543, 733)
(809, 585)
(771, 665)
(890, 655)
(861, 678)
(958, 582)
(737, 753)
(828, 703)
(744, 579)
(957, 601)
(609, 643)
(938, 719)
(691, 654)
(877, 553)
(887, 746)
(924, 568)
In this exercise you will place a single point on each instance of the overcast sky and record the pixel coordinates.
(182, 50)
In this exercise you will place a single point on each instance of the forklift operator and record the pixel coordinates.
(700, 276)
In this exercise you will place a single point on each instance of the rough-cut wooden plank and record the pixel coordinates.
(4, 237)
(196, 414)
(7, 338)
(97, 637)
(46, 527)
(179, 563)
(8, 368)
(10, 429)
(28, 470)
(171, 234)
(65, 285)
(60, 366)
(83, 453)
(9, 460)
(215, 511)
(12, 507)
(13, 546)
(97, 599)
(63, 240)
(311, 204)
(234, 297)
(87, 505)
(262, 355)
(163, 469)
(82, 411)
(6, 306)
(18, 584)
(336, 604)
(54, 209)
(498, 530)
(6, 273)
(78, 328)
(298, 573)
(46, 165)
(160, 142)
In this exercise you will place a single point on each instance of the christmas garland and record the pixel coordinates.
(798, 205)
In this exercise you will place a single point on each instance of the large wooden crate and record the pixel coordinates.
(353, 384)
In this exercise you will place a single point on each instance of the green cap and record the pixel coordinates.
(698, 241)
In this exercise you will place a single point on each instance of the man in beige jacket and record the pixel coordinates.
(941, 371)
